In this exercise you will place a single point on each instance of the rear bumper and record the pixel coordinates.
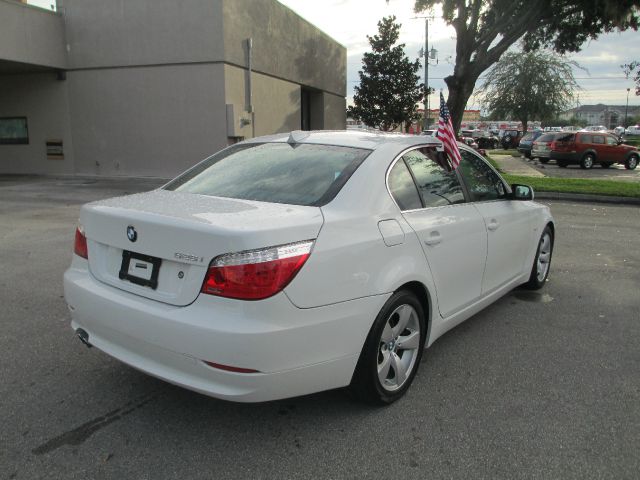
(296, 351)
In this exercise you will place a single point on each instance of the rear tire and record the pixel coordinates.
(631, 163)
(587, 161)
(542, 261)
(391, 354)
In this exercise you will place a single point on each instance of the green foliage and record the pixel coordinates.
(389, 90)
(529, 86)
(485, 29)
(633, 70)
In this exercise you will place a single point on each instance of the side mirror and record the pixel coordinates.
(521, 192)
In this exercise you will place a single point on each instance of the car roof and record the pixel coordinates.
(349, 138)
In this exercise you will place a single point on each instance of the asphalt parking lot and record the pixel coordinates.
(539, 385)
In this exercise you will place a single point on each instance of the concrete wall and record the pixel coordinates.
(44, 101)
(284, 45)
(155, 121)
(276, 103)
(31, 35)
(335, 112)
(134, 32)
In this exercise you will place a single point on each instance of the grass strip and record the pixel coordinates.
(577, 185)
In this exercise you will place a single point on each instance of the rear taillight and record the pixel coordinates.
(255, 274)
(552, 146)
(80, 244)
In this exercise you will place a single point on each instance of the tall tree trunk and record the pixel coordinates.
(460, 90)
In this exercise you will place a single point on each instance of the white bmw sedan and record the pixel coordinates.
(302, 262)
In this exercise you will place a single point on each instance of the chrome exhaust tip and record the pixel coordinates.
(83, 336)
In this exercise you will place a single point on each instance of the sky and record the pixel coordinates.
(350, 21)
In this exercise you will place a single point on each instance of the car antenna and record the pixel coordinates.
(297, 136)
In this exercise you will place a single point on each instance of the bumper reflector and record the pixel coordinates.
(229, 368)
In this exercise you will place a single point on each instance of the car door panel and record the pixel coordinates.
(454, 241)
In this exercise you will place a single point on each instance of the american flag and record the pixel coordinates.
(446, 134)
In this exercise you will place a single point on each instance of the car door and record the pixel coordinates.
(614, 152)
(451, 231)
(508, 222)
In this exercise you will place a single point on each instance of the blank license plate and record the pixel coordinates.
(140, 269)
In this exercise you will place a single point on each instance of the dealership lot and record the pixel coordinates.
(541, 384)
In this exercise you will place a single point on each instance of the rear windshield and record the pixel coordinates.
(565, 137)
(528, 136)
(298, 174)
(547, 137)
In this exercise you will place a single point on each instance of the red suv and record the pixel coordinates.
(588, 148)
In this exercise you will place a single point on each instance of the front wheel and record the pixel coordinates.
(587, 161)
(631, 163)
(391, 354)
(542, 261)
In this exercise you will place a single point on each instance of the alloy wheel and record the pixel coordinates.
(544, 257)
(398, 347)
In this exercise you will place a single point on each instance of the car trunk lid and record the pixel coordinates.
(173, 237)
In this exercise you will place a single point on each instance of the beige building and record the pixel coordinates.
(150, 87)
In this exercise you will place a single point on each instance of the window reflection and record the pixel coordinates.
(437, 185)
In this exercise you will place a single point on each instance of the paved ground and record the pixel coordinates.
(539, 385)
(521, 165)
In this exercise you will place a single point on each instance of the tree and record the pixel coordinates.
(485, 29)
(529, 86)
(629, 69)
(389, 90)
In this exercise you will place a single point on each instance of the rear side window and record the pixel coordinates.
(586, 139)
(298, 174)
(436, 185)
(402, 187)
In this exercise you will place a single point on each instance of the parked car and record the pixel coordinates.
(587, 149)
(295, 263)
(541, 148)
(428, 132)
(633, 130)
(595, 128)
(526, 143)
(618, 131)
(510, 139)
(483, 138)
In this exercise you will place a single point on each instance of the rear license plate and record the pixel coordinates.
(140, 269)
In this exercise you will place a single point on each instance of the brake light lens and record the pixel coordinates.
(256, 274)
(80, 243)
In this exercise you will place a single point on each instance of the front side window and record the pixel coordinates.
(599, 139)
(482, 182)
(298, 174)
(437, 185)
(612, 141)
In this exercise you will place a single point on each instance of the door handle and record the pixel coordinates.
(433, 239)
(493, 225)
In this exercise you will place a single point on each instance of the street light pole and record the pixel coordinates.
(427, 113)
(625, 111)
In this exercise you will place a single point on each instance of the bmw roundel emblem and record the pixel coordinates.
(131, 233)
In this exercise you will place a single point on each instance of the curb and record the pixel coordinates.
(584, 197)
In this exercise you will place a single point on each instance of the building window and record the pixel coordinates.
(14, 131)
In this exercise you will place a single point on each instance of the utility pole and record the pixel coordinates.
(626, 109)
(427, 113)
